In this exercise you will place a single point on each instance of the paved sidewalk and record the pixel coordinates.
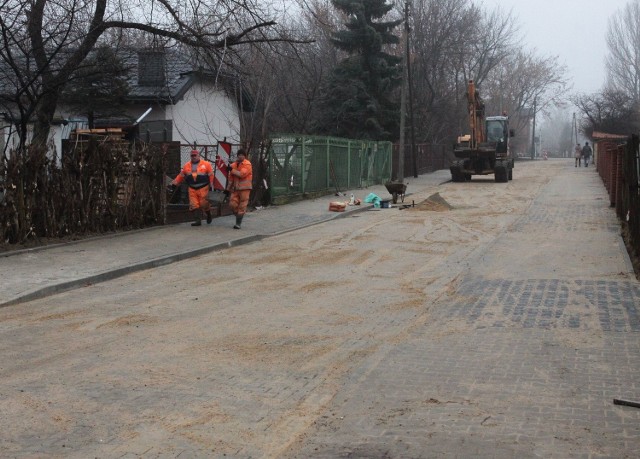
(35, 273)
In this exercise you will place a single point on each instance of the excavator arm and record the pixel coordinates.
(476, 116)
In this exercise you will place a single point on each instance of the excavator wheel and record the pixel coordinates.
(456, 175)
(501, 174)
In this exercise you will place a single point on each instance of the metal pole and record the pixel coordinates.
(533, 130)
(403, 103)
(411, 118)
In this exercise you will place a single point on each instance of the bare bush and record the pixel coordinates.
(97, 187)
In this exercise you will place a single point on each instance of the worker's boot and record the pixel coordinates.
(209, 217)
(197, 221)
(238, 222)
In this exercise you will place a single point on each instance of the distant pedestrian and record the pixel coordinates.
(586, 154)
(198, 175)
(239, 185)
(578, 155)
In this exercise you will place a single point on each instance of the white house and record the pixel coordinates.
(189, 103)
(203, 105)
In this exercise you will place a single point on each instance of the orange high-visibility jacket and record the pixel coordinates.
(240, 176)
(196, 175)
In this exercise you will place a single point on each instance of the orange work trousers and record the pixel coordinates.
(239, 201)
(198, 199)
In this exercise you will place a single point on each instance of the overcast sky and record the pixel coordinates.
(573, 30)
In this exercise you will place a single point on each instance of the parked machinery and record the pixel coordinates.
(486, 149)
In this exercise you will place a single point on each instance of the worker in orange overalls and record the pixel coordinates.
(239, 185)
(198, 174)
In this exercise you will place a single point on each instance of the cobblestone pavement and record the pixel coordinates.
(503, 328)
(522, 359)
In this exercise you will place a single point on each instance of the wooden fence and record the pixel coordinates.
(619, 167)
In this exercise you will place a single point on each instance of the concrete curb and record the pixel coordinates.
(335, 216)
(149, 264)
(115, 273)
(119, 272)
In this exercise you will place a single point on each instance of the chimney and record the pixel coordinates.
(151, 67)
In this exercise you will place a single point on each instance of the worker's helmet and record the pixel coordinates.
(195, 152)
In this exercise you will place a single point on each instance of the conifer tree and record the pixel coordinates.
(359, 100)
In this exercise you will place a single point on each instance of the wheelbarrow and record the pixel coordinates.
(396, 189)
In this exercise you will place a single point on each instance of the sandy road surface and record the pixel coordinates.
(169, 363)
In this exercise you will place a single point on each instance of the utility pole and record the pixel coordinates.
(573, 139)
(533, 130)
(409, 81)
(403, 103)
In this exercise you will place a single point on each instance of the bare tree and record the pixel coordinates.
(556, 132)
(453, 41)
(616, 109)
(440, 34)
(43, 42)
(286, 79)
(623, 42)
(493, 39)
(525, 85)
(610, 111)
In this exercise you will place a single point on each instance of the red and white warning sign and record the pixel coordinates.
(222, 166)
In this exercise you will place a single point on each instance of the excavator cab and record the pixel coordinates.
(495, 132)
(498, 133)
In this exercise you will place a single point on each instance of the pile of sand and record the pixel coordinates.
(435, 203)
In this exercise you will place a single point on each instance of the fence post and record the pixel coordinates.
(303, 180)
(348, 165)
(270, 172)
(612, 177)
(328, 153)
(619, 179)
(633, 182)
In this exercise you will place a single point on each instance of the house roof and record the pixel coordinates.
(165, 76)
(171, 75)
(597, 135)
(158, 76)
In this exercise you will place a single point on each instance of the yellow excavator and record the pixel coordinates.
(485, 150)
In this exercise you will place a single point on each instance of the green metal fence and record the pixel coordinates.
(300, 165)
